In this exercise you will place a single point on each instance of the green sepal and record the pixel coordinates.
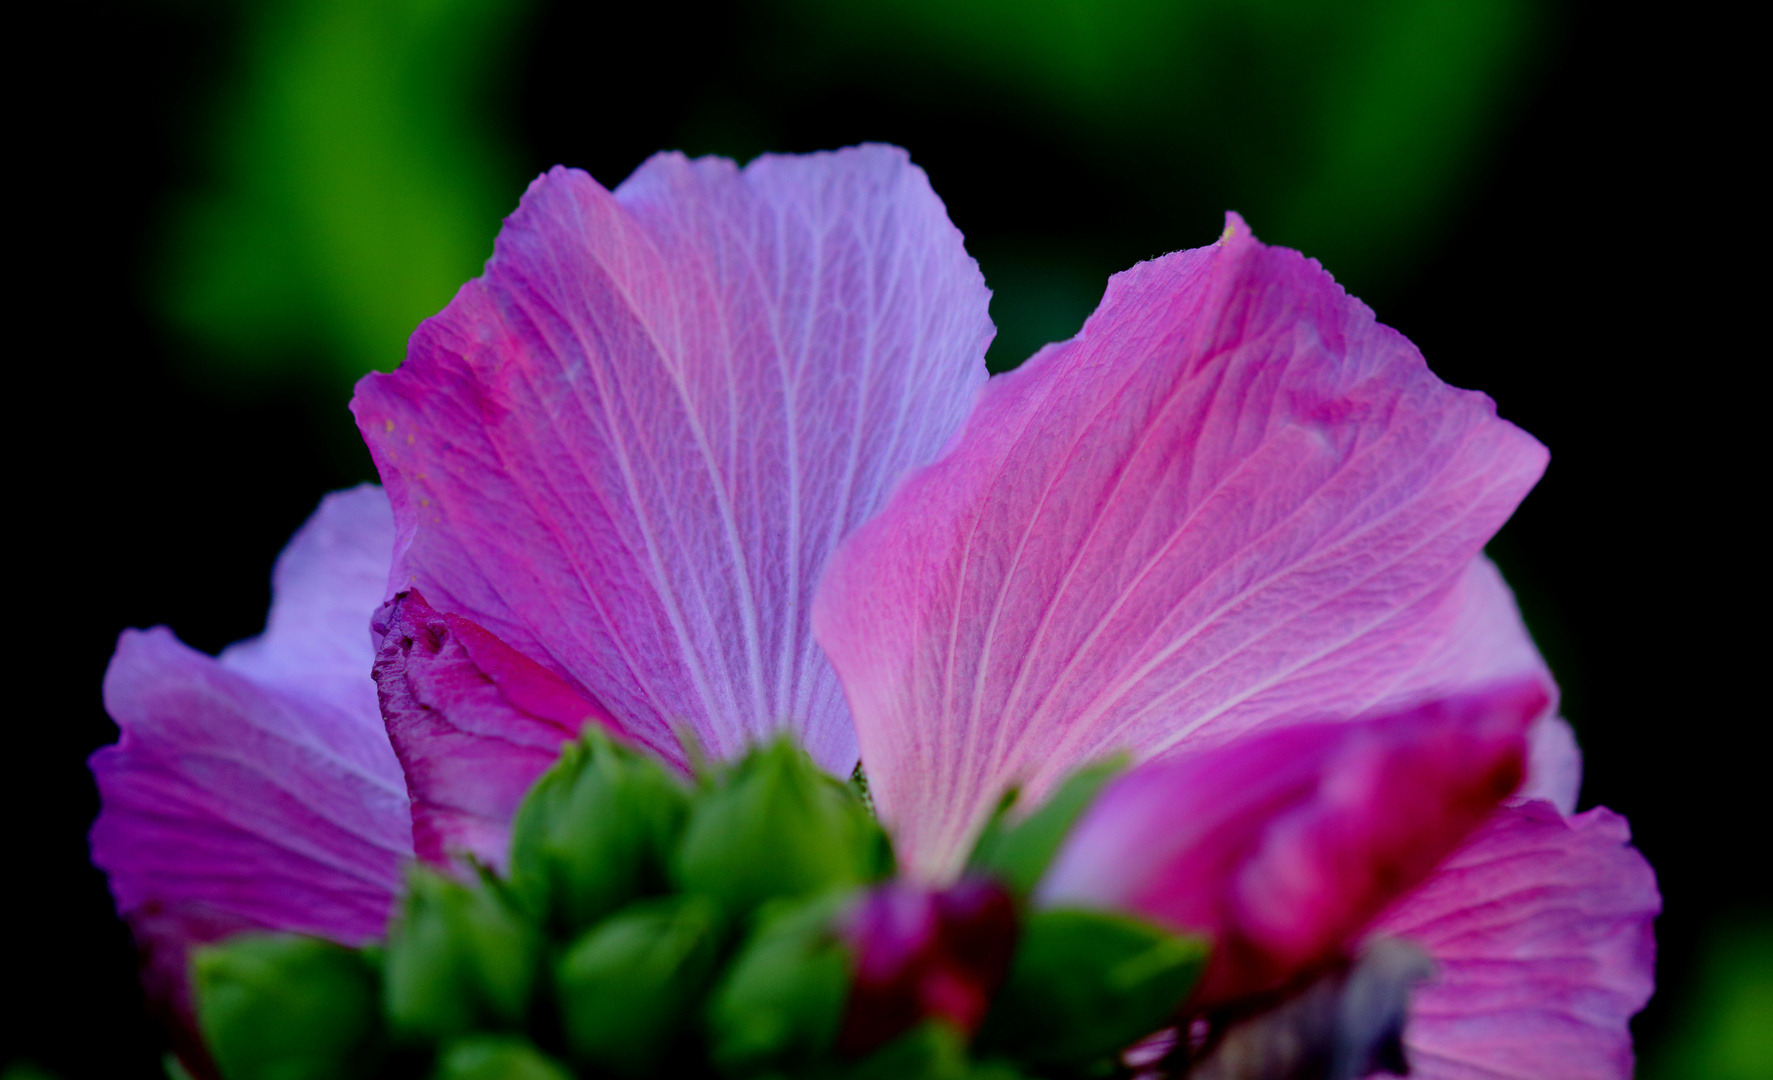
(596, 831)
(781, 999)
(933, 1050)
(1087, 984)
(628, 987)
(777, 826)
(459, 957)
(497, 1057)
(1017, 853)
(287, 1007)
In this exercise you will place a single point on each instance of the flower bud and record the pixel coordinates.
(782, 997)
(458, 957)
(628, 985)
(594, 833)
(284, 1007)
(924, 953)
(497, 1057)
(1085, 985)
(777, 826)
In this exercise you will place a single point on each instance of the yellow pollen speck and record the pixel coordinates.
(409, 439)
(390, 424)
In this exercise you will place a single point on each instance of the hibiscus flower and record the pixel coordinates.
(715, 456)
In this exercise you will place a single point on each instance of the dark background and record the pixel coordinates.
(1599, 275)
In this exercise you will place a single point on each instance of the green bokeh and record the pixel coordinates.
(1346, 129)
(360, 160)
(1725, 1028)
(356, 181)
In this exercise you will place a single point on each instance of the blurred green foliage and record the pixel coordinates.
(358, 179)
(1725, 1030)
(359, 167)
(1342, 127)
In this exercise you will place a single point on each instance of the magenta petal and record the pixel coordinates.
(258, 791)
(629, 448)
(1283, 846)
(1541, 928)
(474, 723)
(224, 794)
(1233, 499)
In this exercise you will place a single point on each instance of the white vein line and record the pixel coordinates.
(818, 236)
(1150, 565)
(518, 475)
(951, 774)
(1197, 723)
(741, 571)
(619, 452)
(1207, 372)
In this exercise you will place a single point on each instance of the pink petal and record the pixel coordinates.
(629, 448)
(1541, 928)
(1283, 846)
(474, 723)
(1483, 641)
(1233, 499)
(226, 794)
(328, 581)
(1554, 764)
(258, 791)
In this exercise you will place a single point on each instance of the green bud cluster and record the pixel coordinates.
(650, 927)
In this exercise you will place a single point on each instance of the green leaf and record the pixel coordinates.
(1017, 853)
(628, 986)
(777, 826)
(933, 1050)
(1086, 984)
(357, 177)
(497, 1057)
(595, 832)
(286, 1007)
(781, 999)
(458, 958)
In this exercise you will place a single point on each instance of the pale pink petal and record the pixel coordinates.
(629, 448)
(1282, 846)
(474, 723)
(1541, 927)
(1554, 764)
(1233, 499)
(1485, 640)
(1481, 639)
(328, 581)
(258, 791)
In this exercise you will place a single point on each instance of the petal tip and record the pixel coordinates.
(1236, 228)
